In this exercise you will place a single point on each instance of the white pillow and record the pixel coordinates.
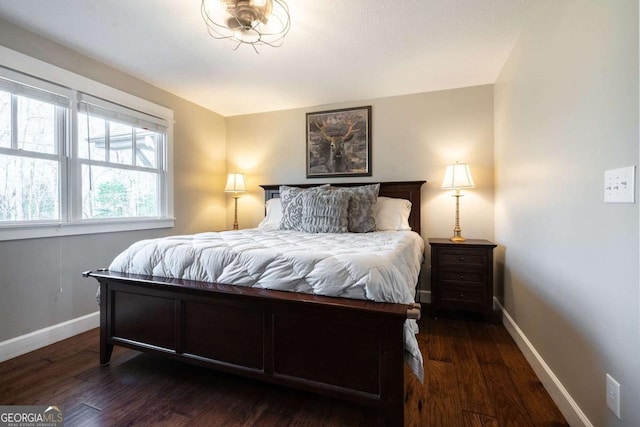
(392, 214)
(274, 214)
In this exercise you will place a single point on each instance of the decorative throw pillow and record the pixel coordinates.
(325, 212)
(291, 201)
(362, 199)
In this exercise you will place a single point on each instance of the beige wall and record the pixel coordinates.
(413, 138)
(40, 282)
(566, 109)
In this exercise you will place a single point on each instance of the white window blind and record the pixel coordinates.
(118, 113)
(31, 87)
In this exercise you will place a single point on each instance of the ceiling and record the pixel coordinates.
(336, 50)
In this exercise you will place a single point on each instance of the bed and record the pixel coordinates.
(288, 338)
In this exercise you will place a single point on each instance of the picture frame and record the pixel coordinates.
(339, 143)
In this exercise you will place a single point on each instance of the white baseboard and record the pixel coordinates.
(560, 395)
(37, 339)
(424, 296)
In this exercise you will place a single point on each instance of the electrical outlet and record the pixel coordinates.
(613, 395)
(619, 185)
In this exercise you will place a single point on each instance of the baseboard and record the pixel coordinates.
(424, 296)
(37, 339)
(560, 395)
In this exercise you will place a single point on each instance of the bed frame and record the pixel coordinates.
(348, 349)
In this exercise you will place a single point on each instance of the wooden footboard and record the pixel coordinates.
(349, 349)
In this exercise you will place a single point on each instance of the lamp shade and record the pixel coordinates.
(457, 176)
(235, 183)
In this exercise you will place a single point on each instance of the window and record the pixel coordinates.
(73, 159)
(32, 134)
(121, 153)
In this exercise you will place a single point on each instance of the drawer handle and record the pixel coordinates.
(461, 277)
(461, 258)
(461, 295)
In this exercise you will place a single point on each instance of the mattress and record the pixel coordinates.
(380, 266)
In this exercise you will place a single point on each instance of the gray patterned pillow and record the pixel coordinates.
(325, 212)
(291, 201)
(361, 219)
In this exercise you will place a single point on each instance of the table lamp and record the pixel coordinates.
(235, 185)
(457, 176)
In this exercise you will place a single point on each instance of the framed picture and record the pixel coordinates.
(339, 143)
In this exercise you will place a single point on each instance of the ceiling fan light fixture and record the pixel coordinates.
(252, 22)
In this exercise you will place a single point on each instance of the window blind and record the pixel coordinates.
(118, 113)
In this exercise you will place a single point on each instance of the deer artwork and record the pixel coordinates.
(337, 161)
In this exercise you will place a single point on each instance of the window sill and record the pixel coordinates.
(37, 231)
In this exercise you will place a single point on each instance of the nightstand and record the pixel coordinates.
(462, 276)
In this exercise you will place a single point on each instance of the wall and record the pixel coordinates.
(40, 284)
(566, 110)
(414, 137)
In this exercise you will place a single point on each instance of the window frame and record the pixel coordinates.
(70, 185)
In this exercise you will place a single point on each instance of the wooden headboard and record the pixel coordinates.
(409, 190)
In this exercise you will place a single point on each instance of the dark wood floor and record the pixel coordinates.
(474, 376)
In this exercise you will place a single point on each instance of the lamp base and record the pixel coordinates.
(457, 234)
(457, 231)
(235, 211)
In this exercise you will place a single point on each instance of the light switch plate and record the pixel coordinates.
(619, 185)
(613, 395)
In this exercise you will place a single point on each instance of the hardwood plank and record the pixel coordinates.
(442, 335)
(473, 390)
(509, 408)
(32, 384)
(24, 362)
(57, 392)
(81, 416)
(87, 341)
(187, 395)
(443, 407)
(18, 368)
(241, 409)
(482, 342)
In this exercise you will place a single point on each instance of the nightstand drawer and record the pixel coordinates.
(476, 258)
(462, 276)
(462, 294)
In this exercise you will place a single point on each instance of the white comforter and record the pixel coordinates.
(380, 266)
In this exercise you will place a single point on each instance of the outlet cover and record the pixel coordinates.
(619, 185)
